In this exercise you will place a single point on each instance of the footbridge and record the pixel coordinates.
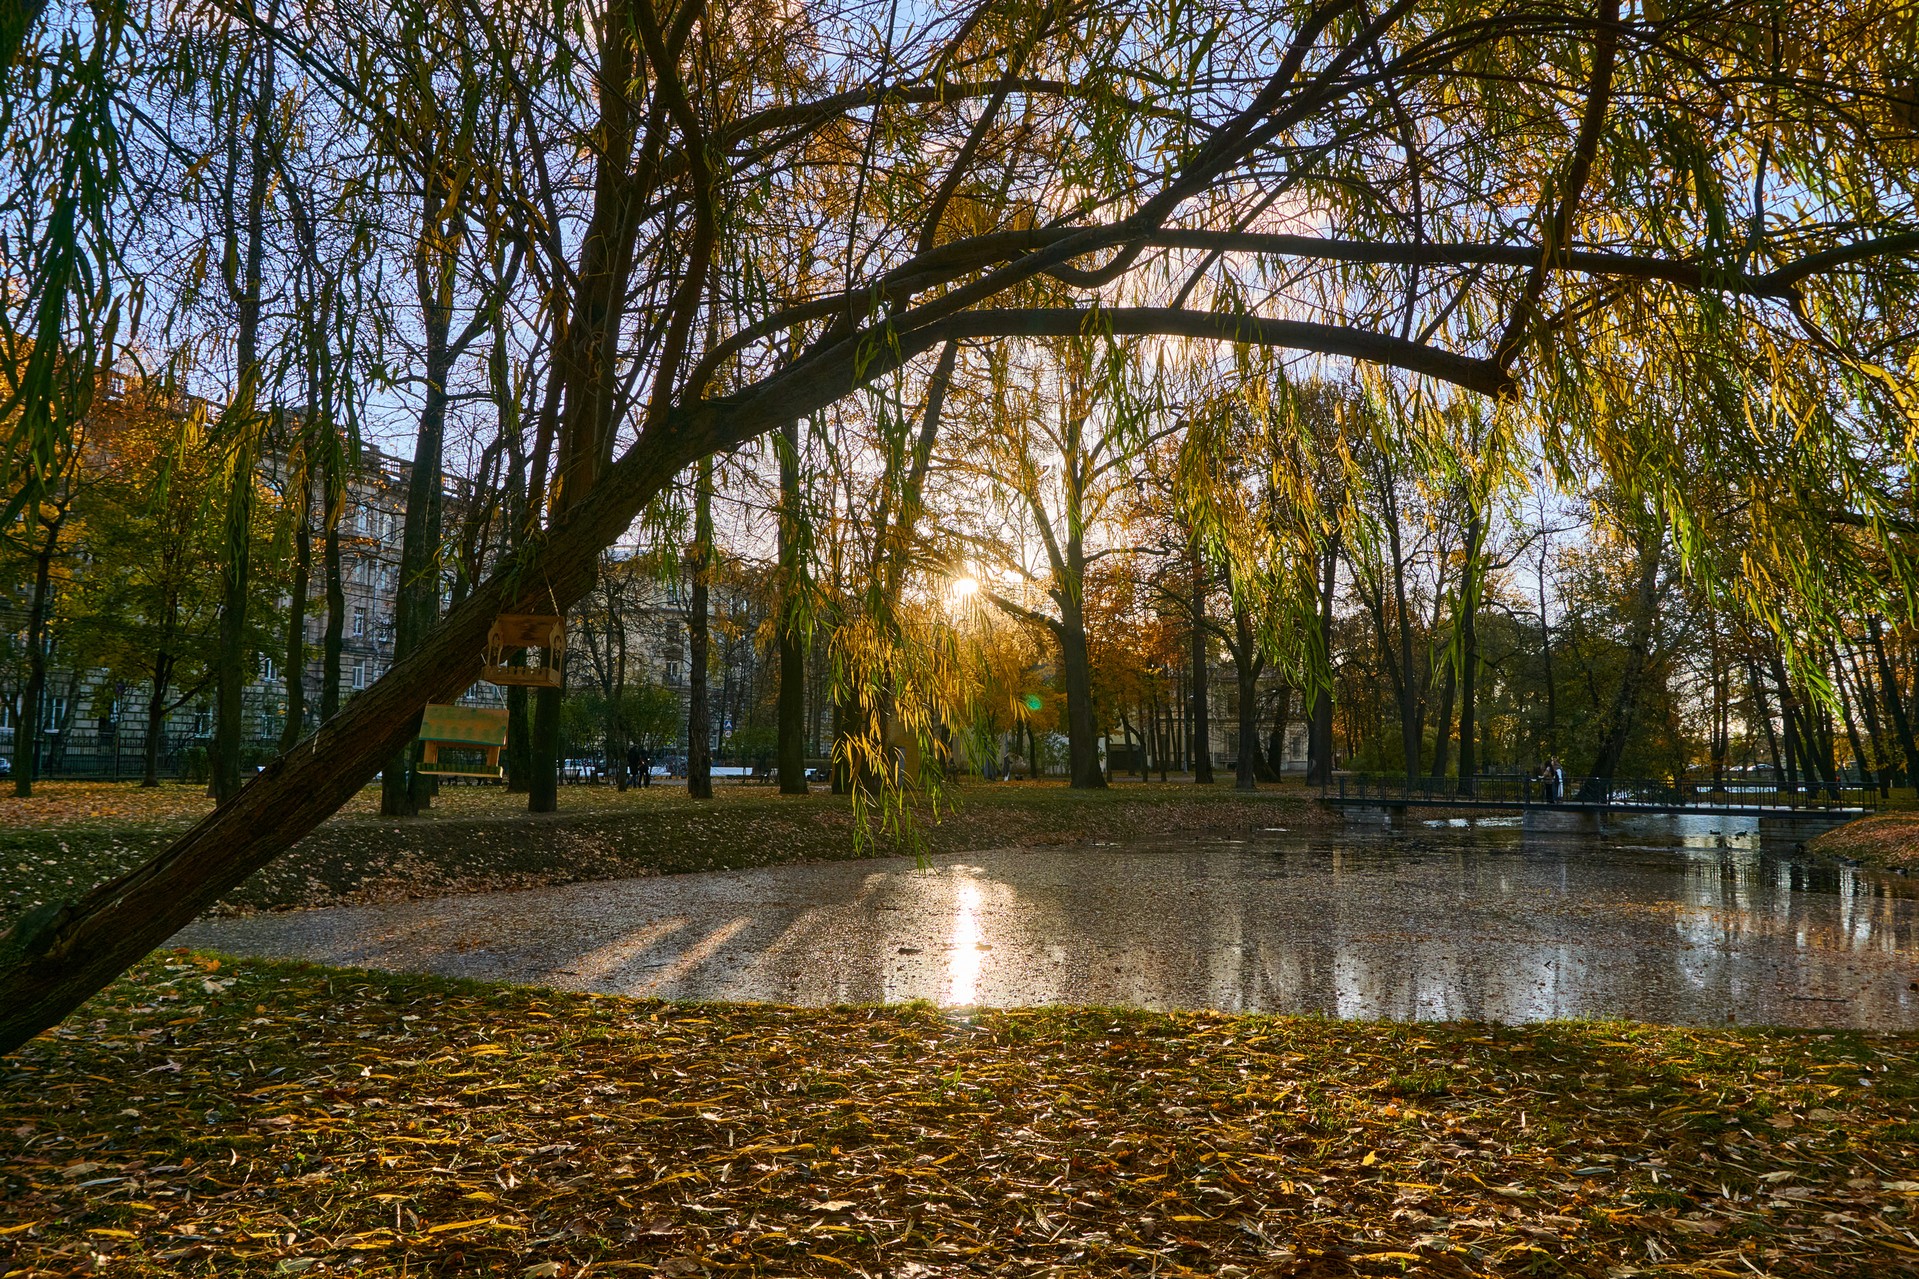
(1727, 797)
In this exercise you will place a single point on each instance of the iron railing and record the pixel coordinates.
(1668, 794)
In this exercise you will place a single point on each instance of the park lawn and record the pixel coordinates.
(210, 1116)
(72, 835)
(1885, 840)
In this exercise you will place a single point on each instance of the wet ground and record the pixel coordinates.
(1686, 921)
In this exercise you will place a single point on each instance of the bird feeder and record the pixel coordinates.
(541, 636)
(473, 735)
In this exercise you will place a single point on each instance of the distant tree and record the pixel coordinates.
(147, 608)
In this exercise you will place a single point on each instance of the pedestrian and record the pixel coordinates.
(633, 763)
(646, 767)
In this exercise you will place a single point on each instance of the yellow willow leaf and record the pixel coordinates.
(460, 1225)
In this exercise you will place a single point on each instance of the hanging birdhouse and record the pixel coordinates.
(462, 741)
(543, 639)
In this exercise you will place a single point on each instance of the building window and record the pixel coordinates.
(360, 518)
(266, 668)
(359, 675)
(359, 626)
(672, 672)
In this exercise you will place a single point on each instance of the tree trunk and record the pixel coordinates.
(156, 719)
(1082, 730)
(1443, 723)
(519, 743)
(1875, 734)
(699, 729)
(1551, 735)
(543, 778)
(1895, 706)
(1319, 733)
(1202, 716)
(26, 735)
(243, 430)
(1409, 701)
(294, 726)
(1276, 742)
(231, 669)
(1469, 652)
(792, 639)
(1625, 702)
(1468, 701)
(1246, 667)
(334, 641)
(1860, 760)
(1762, 711)
(403, 791)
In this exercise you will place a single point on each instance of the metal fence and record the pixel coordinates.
(111, 754)
(1671, 794)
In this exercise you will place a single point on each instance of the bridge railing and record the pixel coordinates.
(1507, 791)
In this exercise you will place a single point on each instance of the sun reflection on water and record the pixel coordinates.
(963, 953)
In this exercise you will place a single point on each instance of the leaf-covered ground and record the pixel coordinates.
(1889, 840)
(245, 1118)
(72, 835)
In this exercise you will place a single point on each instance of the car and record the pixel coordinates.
(6, 766)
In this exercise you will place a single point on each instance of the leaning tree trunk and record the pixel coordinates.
(55, 956)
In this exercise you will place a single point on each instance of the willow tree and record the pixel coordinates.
(1053, 455)
(1347, 182)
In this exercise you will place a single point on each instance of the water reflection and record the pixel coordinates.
(1696, 926)
(962, 984)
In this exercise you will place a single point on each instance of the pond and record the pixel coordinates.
(1687, 920)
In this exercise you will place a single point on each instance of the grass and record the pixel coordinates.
(72, 835)
(213, 1117)
(1887, 841)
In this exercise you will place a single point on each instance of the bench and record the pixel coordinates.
(465, 730)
